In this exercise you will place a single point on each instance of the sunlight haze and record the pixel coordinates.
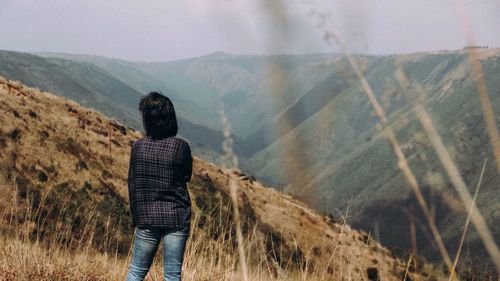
(167, 30)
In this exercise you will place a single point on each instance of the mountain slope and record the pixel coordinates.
(242, 84)
(353, 167)
(84, 83)
(93, 86)
(66, 169)
(306, 117)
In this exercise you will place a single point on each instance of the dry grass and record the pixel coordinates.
(206, 258)
(234, 193)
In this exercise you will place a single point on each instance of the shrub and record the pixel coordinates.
(69, 145)
(81, 165)
(15, 134)
(42, 176)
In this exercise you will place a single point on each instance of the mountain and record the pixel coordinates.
(306, 119)
(321, 126)
(243, 84)
(350, 165)
(63, 178)
(94, 86)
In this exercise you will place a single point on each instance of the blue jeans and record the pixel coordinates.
(146, 241)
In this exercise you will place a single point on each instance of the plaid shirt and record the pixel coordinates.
(157, 176)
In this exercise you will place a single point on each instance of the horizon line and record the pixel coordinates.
(221, 52)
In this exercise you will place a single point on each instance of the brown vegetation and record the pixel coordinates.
(64, 209)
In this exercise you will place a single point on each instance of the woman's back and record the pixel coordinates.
(158, 172)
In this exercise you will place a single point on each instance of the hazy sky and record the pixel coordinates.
(156, 30)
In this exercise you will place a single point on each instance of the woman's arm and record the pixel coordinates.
(131, 181)
(188, 162)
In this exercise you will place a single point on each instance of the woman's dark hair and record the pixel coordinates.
(158, 116)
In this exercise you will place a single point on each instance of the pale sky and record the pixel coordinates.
(161, 30)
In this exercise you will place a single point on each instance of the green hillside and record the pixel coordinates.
(84, 83)
(113, 89)
(242, 84)
(353, 168)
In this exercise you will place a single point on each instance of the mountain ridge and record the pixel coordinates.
(349, 162)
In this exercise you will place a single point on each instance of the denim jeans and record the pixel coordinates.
(146, 241)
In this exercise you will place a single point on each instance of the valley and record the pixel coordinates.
(306, 117)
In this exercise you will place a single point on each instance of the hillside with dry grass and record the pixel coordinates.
(280, 104)
(65, 215)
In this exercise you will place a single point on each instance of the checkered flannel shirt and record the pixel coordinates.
(157, 182)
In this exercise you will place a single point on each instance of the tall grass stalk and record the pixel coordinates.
(229, 154)
(478, 76)
(451, 169)
(467, 221)
(332, 38)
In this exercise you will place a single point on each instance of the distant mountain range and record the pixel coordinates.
(273, 101)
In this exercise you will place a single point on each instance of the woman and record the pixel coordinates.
(160, 166)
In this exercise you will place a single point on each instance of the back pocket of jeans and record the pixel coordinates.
(144, 230)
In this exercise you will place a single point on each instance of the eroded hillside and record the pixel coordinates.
(64, 167)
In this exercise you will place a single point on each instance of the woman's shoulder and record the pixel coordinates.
(170, 140)
(138, 142)
(181, 140)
